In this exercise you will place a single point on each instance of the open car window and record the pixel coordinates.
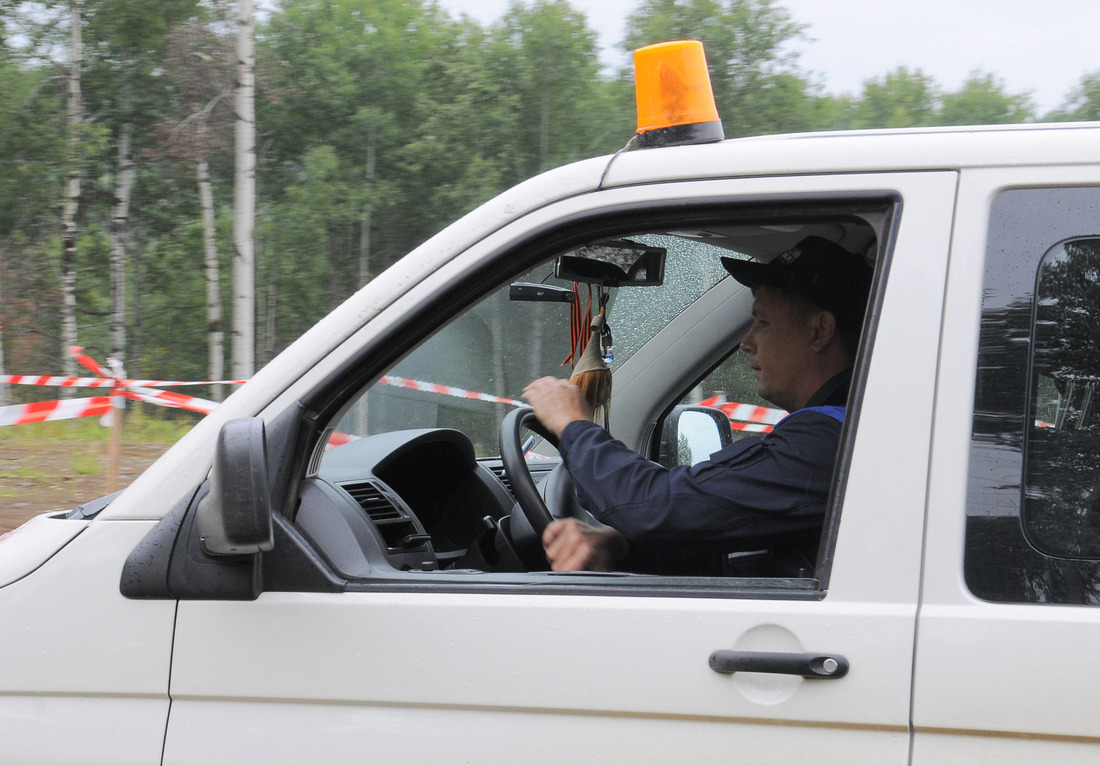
(411, 483)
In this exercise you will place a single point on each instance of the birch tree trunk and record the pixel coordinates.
(244, 198)
(368, 213)
(211, 268)
(72, 201)
(120, 214)
(136, 256)
(5, 389)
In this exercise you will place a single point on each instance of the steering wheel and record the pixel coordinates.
(530, 501)
(557, 498)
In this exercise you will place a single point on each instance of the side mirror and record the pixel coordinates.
(693, 433)
(235, 518)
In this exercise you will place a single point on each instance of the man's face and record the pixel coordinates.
(779, 347)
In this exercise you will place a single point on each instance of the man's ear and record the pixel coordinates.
(822, 330)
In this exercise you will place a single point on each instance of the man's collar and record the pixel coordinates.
(835, 391)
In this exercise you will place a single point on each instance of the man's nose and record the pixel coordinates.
(748, 344)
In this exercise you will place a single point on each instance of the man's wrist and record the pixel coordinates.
(564, 423)
(571, 432)
(617, 546)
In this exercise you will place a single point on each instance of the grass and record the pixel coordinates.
(40, 454)
(12, 477)
(87, 465)
(139, 426)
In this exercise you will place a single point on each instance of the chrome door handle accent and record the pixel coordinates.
(786, 663)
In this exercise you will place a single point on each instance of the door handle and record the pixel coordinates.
(787, 663)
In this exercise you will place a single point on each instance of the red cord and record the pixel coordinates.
(579, 323)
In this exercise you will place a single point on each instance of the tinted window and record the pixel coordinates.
(1062, 488)
(1002, 563)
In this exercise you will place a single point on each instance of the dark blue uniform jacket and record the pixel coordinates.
(755, 508)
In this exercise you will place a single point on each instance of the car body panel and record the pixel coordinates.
(36, 541)
(84, 671)
(993, 681)
(400, 663)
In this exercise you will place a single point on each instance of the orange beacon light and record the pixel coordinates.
(675, 100)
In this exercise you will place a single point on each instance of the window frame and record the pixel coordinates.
(878, 209)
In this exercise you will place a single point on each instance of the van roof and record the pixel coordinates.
(901, 149)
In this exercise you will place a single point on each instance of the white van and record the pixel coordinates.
(261, 596)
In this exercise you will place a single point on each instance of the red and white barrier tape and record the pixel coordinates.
(169, 399)
(746, 417)
(88, 363)
(46, 380)
(436, 388)
(754, 427)
(64, 409)
(743, 417)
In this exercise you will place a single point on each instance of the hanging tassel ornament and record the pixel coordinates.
(593, 373)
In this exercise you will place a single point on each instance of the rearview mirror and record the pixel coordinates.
(235, 517)
(613, 263)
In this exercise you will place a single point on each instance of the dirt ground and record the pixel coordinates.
(48, 475)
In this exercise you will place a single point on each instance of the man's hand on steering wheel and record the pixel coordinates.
(556, 403)
(572, 545)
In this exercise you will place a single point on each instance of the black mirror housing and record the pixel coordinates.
(614, 263)
(235, 518)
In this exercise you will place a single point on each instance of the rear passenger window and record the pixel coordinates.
(1061, 508)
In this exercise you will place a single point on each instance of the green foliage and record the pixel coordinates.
(909, 98)
(384, 115)
(983, 101)
(341, 104)
(309, 241)
(1082, 103)
(546, 58)
(900, 99)
(124, 47)
(31, 173)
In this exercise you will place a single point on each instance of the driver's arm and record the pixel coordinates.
(556, 403)
(572, 545)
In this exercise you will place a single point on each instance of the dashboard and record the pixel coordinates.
(414, 500)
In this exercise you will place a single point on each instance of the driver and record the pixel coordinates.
(756, 507)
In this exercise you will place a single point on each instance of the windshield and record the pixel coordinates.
(469, 374)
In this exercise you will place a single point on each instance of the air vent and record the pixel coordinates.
(372, 500)
(539, 470)
(503, 476)
(399, 531)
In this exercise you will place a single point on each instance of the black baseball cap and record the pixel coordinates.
(821, 271)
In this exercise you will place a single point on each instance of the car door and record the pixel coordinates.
(468, 666)
(1008, 621)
